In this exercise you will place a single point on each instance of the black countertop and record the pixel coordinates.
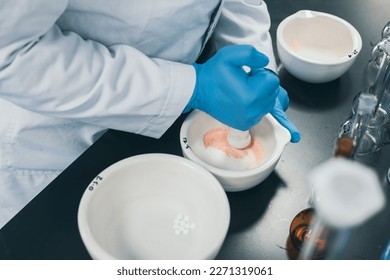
(260, 217)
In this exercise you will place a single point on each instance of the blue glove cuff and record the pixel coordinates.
(191, 104)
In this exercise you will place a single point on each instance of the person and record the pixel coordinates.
(71, 69)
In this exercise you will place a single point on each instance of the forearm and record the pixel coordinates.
(245, 22)
(62, 75)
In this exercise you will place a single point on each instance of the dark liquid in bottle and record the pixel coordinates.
(300, 230)
(345, 147)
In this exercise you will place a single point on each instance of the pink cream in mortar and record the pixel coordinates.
(218, 139)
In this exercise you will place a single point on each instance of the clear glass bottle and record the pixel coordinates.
(314, 233)
(345, 194)
(358, 135)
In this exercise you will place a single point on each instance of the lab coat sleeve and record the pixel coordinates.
(61, 75)
(245, 22)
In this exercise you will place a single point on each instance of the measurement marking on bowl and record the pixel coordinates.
(183, 225)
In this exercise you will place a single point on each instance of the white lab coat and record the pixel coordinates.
(70, 69)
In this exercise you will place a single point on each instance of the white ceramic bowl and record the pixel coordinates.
(317, 47)
(233, 173)
(154, 206)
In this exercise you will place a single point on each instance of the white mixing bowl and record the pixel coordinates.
(317, 47)
(154, 206)
(233, 173)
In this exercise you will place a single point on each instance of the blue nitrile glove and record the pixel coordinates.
(279, 114)
(229, 94)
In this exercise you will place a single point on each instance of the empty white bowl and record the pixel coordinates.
(154, 206)
(317, 47)
(235, 174)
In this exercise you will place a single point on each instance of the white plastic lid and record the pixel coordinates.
(345, 193)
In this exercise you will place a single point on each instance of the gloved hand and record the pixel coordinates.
(279, 114)
(228, 93)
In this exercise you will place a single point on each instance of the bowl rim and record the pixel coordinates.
(279, 147)
(357, 39)
(96, 250)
